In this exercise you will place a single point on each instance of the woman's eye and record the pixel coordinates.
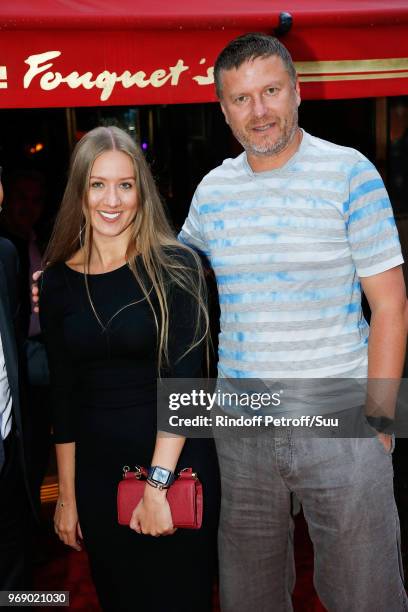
(126, 186)
(96, 184)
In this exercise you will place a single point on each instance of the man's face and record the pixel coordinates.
(260, 104)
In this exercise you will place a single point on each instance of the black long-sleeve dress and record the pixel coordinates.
(104, 398)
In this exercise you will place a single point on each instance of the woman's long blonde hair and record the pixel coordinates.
(152, 237)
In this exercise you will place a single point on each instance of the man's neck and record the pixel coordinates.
(263, 163)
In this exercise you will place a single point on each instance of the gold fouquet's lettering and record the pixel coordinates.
(205, 80)
(34, 62)
(40, 65)
(157, 78)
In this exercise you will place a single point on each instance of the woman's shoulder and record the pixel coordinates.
(183, 255)
(54, 271)
(52, 292)
(53, 277)
(184, 276)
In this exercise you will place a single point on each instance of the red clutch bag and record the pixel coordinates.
(185, 497)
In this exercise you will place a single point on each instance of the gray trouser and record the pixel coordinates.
(345, 486)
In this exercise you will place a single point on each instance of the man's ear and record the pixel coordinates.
(297, 90)
(224, 112)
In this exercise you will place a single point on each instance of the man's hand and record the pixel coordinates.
(35, 291)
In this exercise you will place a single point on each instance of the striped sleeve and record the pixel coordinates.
(191, 232)
(372, 232)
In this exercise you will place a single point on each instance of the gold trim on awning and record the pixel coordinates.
(352, 70)
(338, 66)
(352, 77)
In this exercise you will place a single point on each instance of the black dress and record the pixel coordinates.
(104, 399)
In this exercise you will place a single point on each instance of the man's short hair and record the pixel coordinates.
(249, 47)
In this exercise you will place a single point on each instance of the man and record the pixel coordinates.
(15, 511)
(293, 228)
(25, 203)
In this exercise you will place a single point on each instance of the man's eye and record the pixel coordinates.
(96, 184)
(272, 90)
(240, 99)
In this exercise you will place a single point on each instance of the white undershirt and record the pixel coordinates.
(5, 397)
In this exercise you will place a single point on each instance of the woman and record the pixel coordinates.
(121, 303)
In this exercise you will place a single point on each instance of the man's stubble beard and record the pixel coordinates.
(289, 131)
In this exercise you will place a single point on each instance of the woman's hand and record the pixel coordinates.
(66, 523)
(152, 516)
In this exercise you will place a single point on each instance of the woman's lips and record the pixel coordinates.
(108, 216)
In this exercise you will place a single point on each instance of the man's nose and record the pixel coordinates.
(259, 106)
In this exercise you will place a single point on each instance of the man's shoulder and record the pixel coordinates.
(231, 168)
(8, 257)
(330, 151)
(8, 251)
(9, 264)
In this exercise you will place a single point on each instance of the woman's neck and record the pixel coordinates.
(106, 255)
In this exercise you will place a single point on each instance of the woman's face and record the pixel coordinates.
(112, 194)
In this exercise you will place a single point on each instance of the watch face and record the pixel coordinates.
(160, 475)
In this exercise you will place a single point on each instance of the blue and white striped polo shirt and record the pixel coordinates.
(288, 247)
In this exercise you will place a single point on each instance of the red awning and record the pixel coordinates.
(131, 52)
